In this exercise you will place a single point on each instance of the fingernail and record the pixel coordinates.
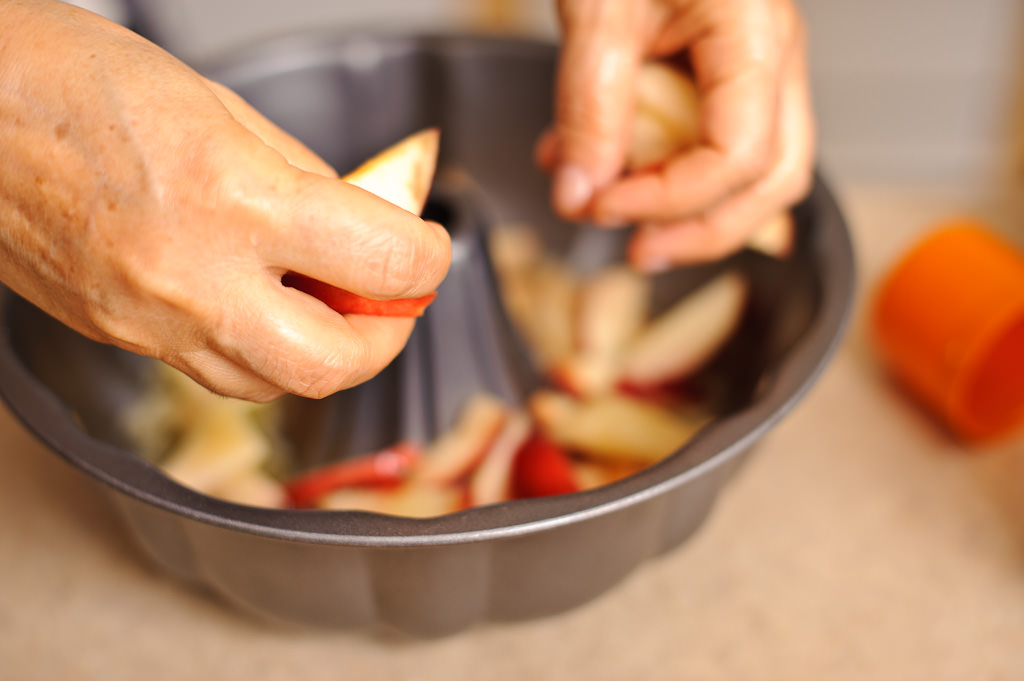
(572, 189)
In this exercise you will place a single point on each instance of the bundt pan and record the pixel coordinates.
(348, 97)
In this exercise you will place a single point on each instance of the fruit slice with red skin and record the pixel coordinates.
(679, 341)
(387, 466)
(613, 305)
(453, 454)
(613, 427)
(401, 174)
(409, 499)
(346, 302)
(676, 396)
(541, 469)
(491, 482)
(540, 301)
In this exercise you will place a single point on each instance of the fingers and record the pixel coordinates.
(340, 234)
(754, 155)
(727, 226)
(224, 376)
(599, 58)
(737, 55)
(269, 340)
(285, 340)
(257, 338)
(306, 220)
(305, 348)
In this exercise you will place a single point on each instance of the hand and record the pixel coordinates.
(147, 207)
(756, 147)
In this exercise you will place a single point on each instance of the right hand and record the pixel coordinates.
(755, 153)
(147, 207)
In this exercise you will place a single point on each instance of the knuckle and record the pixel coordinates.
(134, 317)
(308, 372)
(412, 265)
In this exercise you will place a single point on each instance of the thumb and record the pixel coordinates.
(594, 97)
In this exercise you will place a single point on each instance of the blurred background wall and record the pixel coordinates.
(914, 91)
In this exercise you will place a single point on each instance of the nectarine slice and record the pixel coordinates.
(401, 174)
(411, 499)
(455, 452)
(683, 338)
(613, 427)
(491, 482)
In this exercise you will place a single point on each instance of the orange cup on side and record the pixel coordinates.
(948, 322)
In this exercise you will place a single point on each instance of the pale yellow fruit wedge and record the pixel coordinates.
(594, 474)
(680, 340)
(613, 306)
(613, 427)
(651, 143)
(539, 293)
(402, 173)
(514, 248)
(538, 290)
(175, 403)
(412, 500)
(516, 251)
(193, 402)
(253, 487)
(587, 374)
(667, 115)
(217, 449)
(456, 451)
(491, 482)
(776, 237)
(553, 290)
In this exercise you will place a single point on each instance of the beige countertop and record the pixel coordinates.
(859, 542)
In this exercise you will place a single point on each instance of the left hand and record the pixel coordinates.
(756, 147)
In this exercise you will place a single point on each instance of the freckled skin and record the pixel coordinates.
(147, 207)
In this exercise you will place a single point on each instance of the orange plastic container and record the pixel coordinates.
(948, 321)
